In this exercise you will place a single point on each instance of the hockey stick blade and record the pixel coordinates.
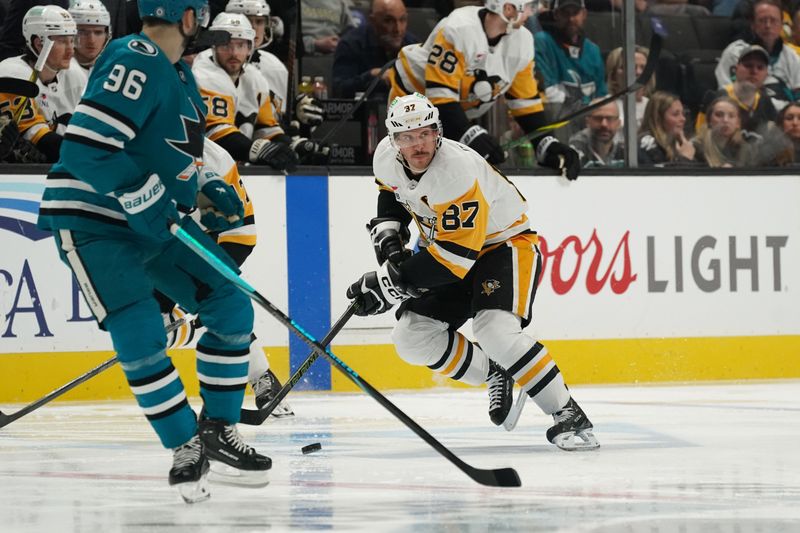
(7, 419)
(19, 87)
(649, 68)
(502, 477)
(256, 417)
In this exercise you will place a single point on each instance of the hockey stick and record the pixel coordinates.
(501, 477)
(291, 64)
(256, 417)
(47, 46)
(370, 88)
(7, 419)
(652, 61)
(19, 87)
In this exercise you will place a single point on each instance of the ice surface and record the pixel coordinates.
(710, 458)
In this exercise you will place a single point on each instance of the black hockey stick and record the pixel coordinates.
(7, 419)
(47, 46)
(291, 64)
(501, 477)
(256, 417)
(652, 61)
(19, 87)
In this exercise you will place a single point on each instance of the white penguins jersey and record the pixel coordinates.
(277, 76)
(243, 106)
(462, 204)
(56, 101)
(456, 64)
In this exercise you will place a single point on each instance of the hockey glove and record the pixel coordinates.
(9, 135)
(389, 237)
(378, 291)
(278, 155)
(310, 152)
(479, 140)
(307, 110)
(220, 205)
(559, 156)
(149, 208)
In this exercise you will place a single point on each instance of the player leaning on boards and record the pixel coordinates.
(470, 59)
(131, 158)
(479, 259)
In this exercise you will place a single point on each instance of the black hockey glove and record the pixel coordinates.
(9, 135)
(376, 292)
(479, 140)
(307, 110)
(278, 155)
(559, 156)
(310, 152)
(149, 208)
(219, 203)
(389, 237)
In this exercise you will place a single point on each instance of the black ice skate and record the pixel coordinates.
(572, 430)
(266, 388)
(240, 464)
(189, 471)
(500, 387)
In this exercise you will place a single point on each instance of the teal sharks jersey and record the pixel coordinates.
(140, 115)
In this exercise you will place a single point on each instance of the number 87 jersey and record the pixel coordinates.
(463, 207)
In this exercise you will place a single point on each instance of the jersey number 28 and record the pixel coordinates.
(446, 60)
(129, 81)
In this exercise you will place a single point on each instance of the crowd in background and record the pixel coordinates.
(746, 116)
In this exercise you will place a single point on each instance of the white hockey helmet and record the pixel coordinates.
(496, 6)
(254, 8)
(46, 21)
(410, 112)
(236, 25)
(90, 13)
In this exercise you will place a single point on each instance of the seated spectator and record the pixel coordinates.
(569, 63)
(789, 122)
(363, 51)
(598, 145)
(794, 37)
(662, 139)
(615, 78)
(783, 79)
(721, 142)
(747, 91)
(324, 22)
(677, 7)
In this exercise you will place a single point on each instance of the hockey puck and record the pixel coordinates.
(311, 448)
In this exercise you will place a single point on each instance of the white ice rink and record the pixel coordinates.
(711, 458)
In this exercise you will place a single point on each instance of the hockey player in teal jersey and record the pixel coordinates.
(131, 163)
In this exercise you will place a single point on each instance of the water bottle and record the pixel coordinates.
(320, 88)
(305, 86)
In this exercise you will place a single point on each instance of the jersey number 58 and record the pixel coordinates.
(129, 81)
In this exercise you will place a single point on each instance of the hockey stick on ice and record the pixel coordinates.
(19, 87)
(501, 477)
(7, 419)
(256, 417)
(652, 61)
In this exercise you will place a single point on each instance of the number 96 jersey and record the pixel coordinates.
(462, 205)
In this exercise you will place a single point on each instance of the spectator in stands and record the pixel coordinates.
(789, 122)
(569, 63)
(747, 91)
(783, 79)
(598, 145)
(721, 142)
(615, 78)
(362, 52)
(324, 22)
(662, 139)
(794, 38)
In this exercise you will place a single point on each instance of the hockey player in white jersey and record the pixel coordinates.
(42, 121)
(94, 30)
(240, 115)
(479, 259)
(471, 58)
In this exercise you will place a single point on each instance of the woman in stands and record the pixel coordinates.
(615, 79)
(789, 121)
(662, 140)
(721, 142)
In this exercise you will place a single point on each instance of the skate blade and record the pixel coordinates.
(194, 491)
(282, 411)
(516, 410)
(227, 475)
(577, 442)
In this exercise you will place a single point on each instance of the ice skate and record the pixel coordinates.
(266, 388)
(233, 461)
(189, 470)
(572, 430)
(500, 387)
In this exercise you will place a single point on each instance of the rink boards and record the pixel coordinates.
(666, 278)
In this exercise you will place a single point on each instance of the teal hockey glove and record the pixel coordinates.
(219, 203)
(149, 208)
